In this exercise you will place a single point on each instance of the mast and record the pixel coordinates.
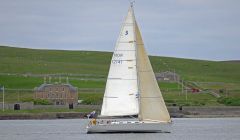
(136, 55)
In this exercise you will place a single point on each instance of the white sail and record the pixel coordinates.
(120, 97)
(152, 105)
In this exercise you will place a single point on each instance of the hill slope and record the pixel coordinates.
(22, 61)
(23, 69)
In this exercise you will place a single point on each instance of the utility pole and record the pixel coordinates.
(3, 98)
(44, 80)
(49, 79)
(67, 80)
(18, 96)
(174, 74)
(182, 86)
(178, 83)
(186, 95)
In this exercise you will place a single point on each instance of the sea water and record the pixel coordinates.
(74, 129)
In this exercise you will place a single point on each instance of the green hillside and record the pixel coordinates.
(22, 68)
(18, 60)
(25, 61)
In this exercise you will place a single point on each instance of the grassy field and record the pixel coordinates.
(18, 60)
(189, 99)
(25, 68)
(30, 61)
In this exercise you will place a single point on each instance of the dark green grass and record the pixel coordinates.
(48, 110)
(17, 96)
(91, 98)
(21, 82)
(229, 101)
(95, 98)
(192, 99)
(88, 84)
(169, 86)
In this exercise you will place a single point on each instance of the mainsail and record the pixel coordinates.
(121, 93)
(131, 87)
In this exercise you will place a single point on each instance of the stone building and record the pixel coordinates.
(58, 94)
(167, 76)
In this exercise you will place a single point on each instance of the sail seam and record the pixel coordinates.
(109, 97)
(145, 71)
(125, 59)
(125, 50)
(150, 97)
(128, 24)
(126, 41)
(120, 79)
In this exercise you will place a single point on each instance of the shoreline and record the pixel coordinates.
(175, 112)
(66, 115)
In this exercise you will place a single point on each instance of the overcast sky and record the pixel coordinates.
(199, 29)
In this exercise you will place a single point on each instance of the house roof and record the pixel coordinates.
(43, 86)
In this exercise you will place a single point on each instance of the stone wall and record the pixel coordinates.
(25, 105)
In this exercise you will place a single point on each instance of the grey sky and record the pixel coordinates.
(200, 29)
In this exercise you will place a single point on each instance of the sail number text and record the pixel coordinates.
(117, 55)
(117, 61)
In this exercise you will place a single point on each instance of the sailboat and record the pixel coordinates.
(131, 88)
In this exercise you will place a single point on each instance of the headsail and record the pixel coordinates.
(121, 93)
(152, 105)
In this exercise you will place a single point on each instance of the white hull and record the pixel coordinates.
(130, 127)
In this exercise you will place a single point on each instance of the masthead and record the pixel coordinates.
(132, 2)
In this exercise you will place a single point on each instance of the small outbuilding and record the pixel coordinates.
(167, 76)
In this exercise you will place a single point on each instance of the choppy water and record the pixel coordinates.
(182, 129)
